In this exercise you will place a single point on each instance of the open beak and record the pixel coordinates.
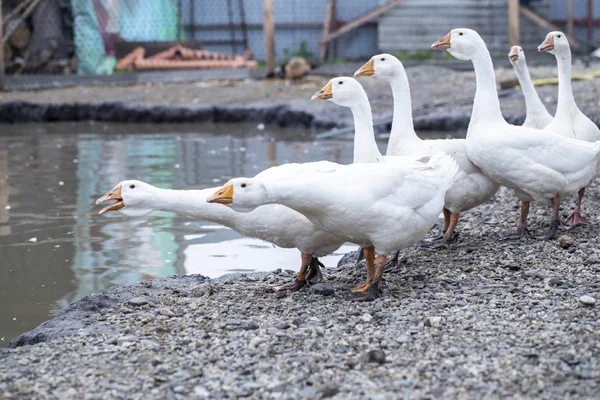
(547, 44)
(443, 43)
(366, 70)
(514, 53)
(222, 196)
(323, 94)
(114, 194)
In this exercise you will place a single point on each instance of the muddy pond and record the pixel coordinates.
(55, 248)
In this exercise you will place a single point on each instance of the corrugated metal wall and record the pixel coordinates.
(415, 24)
(301, 19)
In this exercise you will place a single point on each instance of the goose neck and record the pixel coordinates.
(566, 101)
(365, 146)
(486, 106)
(403, 130)
(532, 100)
(192, 203)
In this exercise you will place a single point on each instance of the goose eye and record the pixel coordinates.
(460, 33)
(559, 36)
(340, 82)
(243, 185)
(132, 186)
(382, 58)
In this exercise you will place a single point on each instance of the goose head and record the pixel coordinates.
(343, 91)
(462, 43)
(555, 42)
(132, 198)
(384, 66)
(241, 194)
(516, 56)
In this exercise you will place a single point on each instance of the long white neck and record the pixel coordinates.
(486, 106)
(365, 146)
(532, 100)
(303, 196)
(192, 203)
(403, 130)
(566, 102)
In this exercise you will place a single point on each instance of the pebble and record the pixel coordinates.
(374, 356)
(433, 322)
(322, 288)
(138, 301)
(166, 312)
(565, 241)
(587, 300)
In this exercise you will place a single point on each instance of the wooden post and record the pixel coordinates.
(1, 52)
(570, 17)
(269, 27)
(513, 22)
(329, 16)
(590, 20)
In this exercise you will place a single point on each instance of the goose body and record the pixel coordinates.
(389, 206)
(274, 223)
(537, 165)
(537, 116)
(471, 187)
(569, 120)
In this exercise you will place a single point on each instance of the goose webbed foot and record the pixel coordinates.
(574, 219)
(292, 287)
(554, 224)
(362, 288)
(371, 294)
(433, 239)
(392, 263)
(314, 274)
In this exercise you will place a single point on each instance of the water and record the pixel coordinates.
(55, 248)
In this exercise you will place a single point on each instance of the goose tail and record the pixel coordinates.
(447, 167)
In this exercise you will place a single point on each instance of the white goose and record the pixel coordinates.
(389, 206)
(471, 187)
(569, 120)
(537, 115)
(274, 223)
(538, 166)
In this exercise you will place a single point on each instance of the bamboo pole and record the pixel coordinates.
(269, 28)
(1, 53)
(329, 17)
(513, 22)
(570, 17)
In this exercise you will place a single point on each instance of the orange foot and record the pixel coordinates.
(364, 288)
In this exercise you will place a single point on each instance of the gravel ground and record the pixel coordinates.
(431, 85)
(483, 319)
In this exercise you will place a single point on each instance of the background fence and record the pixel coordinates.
(88, 36)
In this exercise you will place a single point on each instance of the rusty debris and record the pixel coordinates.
(179, 57)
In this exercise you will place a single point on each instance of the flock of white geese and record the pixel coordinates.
(388, 203)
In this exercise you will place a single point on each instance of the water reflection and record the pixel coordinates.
(54, 248)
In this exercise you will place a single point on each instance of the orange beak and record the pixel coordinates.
(547, 44)
(222, 196)
(366, 70)
(514, 53)
(114, 194)
(443, 43)
(324, 93)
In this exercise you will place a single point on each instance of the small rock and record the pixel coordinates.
(587, 300)
(166, 312)
(138, 301)
(328, 390)
(201, 391)
(565, 241)
(322, 288)
(592, 260)
(555, 282)
(374, 356)
(403, 339)
(203, 290)
(280, 295)
(433, 322)
(126, 340)
(366, 318)
(149, 344)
